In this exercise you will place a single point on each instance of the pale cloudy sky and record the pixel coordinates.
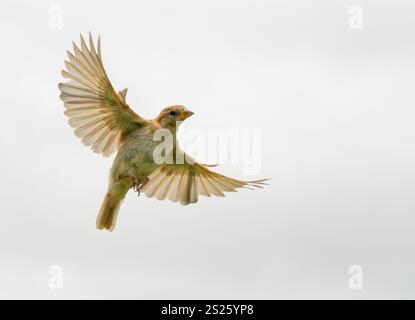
(336, 109)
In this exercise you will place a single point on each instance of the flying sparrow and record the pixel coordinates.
(105, 122)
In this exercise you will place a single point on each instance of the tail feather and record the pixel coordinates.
(108, 213)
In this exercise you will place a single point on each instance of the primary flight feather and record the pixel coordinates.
(105, 123)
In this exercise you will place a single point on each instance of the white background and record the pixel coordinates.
(336, 109)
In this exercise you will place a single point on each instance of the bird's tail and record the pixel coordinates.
(108, 213)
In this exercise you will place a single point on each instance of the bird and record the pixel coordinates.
(104, 121)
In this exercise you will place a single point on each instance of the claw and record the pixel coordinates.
(138, 184)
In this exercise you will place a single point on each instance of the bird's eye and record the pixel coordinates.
(172, 113)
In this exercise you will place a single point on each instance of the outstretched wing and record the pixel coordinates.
(100, 116)
(185, 182)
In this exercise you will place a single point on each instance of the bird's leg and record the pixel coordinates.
(134, 182)
(138, 184)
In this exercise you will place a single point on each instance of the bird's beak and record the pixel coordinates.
(185, 114)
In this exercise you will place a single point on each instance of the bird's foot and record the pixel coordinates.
(138, 184)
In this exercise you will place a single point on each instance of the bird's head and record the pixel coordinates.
(172, 116)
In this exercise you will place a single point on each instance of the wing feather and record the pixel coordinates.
(184, 183)
(100, 116)
(165, 186)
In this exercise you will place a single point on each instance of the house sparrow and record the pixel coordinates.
(104, 121)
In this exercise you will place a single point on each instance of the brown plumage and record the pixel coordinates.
(103, 120)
